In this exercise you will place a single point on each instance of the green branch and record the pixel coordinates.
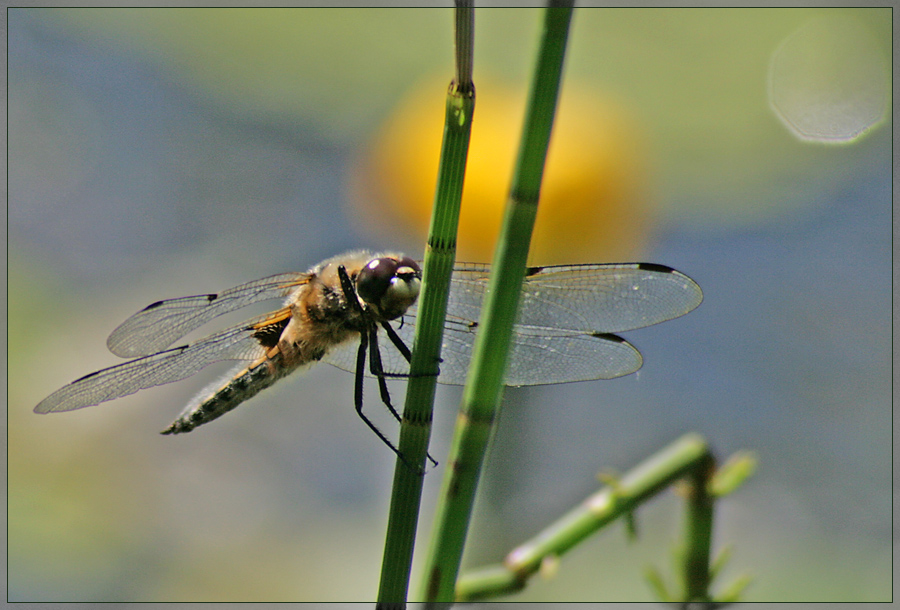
(595, 512)
(481, 397)
(687, 459)
(440, 254)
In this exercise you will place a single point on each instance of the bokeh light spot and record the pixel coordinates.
(828, 81)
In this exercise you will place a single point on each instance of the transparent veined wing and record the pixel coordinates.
(566, 320)
(592, 298)
(541, 356)
(235, 343)
(159, 325)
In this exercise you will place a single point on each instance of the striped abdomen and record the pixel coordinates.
(244, 385)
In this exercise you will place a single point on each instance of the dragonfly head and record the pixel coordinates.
(390, 284)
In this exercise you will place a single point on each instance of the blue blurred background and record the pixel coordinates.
(159, 153)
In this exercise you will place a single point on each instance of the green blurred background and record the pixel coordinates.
(155, 153)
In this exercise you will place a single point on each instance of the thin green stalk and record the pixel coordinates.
(481, 397)
(698, 521)
(440, 254)
(686, 456)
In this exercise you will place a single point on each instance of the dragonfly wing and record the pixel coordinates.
(159, 325)
(605, 298)
(235, 343)
(566, 320)
(468, 285)
(541, 356)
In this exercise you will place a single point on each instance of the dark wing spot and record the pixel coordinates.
(655, 267)
(473, 325)
(533, 271)
(180, 348)
(609, 337)
(88, 376)
(269, 334)
(209, 297)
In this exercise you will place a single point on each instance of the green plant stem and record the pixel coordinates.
(440, 254)
(483, 389)
(698, 521)
(465, 41)
(684, 457)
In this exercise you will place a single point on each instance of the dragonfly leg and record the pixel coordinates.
(376, 368)
(397, 341)
(403, 349)
(348, 289)
(350, 296)
(358, 394)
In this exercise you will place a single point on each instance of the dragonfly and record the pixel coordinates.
(360, 307)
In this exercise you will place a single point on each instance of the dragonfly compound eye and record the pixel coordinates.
(389, 284)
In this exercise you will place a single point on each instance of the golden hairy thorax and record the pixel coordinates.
(318, 317)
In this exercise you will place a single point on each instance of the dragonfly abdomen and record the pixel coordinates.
(241, 387)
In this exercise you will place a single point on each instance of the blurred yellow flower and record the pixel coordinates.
(593, 199)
